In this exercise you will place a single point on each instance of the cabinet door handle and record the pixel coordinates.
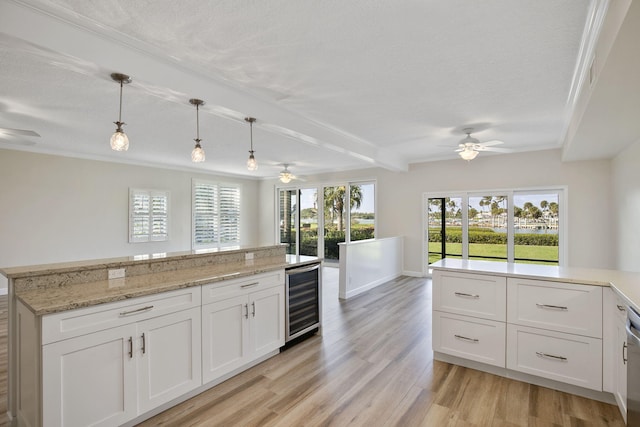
(620, 307)
(462, 294)
(253, 308)
(250, 285)
(144, 345)
(460, 337)
(138, 310)
(551, 356)
(130, 347)
(552, 307)
(246, 313)
(624, 356)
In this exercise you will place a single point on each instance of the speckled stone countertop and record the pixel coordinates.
(626, 284)
(71, 296)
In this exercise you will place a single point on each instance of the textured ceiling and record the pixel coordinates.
(334, 85)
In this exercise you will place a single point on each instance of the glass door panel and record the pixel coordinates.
(444, 231)
(362, 214)
(334, 216)
(535, 222)
(288, 206)
(309, 221)
(487, 231)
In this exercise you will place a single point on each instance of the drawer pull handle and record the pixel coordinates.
(139, 310)
(462, 294)
(620, 307)
(250, 285)
(246, 313)
(552, 307)
(144, 345)
(130, 347)
(253, 308)
(460, 337)
(551, 356)
(624, 357)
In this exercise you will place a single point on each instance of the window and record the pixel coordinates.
(363, 212)
(521, 226)
(148, 215)
(216, 214)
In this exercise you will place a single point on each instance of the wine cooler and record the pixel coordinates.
(303, 294)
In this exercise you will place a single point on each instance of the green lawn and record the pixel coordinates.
(478, 249)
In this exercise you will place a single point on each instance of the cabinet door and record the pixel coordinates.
(225, 332)
(267, 320)
(90, 380)
(168, 352)
(620, 363)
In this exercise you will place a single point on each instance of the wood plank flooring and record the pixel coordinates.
(372, 367)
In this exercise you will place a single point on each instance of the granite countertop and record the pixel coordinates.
(626, 284)
(69, 297)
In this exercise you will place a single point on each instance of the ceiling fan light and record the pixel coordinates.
(285, 177)
(252, 164)
(197, 155)
(119, 140)
(468, 154)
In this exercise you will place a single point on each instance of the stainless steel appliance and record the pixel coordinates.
(633, 368)
(303, 295)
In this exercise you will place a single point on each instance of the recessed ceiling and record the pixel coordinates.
(333, 85)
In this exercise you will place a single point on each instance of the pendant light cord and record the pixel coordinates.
(197, 122)
(120, 111)
(251, 127)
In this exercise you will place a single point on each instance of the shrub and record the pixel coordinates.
(491, 237)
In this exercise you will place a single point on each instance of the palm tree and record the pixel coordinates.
(334, 201)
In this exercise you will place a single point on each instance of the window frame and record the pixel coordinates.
(149, 236)
(220, 219)
(563, 197)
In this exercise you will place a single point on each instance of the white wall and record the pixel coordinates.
(626, 184)
(590, 229)
(56, 209)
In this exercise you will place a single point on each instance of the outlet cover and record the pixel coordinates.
(116, 273)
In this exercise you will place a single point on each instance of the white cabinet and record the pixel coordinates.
(469, 311)
(168, 356)
(242, 321)
(90, 380)
(104, 365)
(555, 331)
(615, 349)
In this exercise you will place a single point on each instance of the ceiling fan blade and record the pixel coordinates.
(495, 150)
(491, 143)
(18, 132)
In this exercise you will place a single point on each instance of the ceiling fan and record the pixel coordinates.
(8, 135)
(285, 176)
(469, 147)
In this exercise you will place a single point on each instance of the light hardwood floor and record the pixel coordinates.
(373, 366)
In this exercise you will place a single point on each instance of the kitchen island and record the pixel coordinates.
(115, 341)
(558, 327)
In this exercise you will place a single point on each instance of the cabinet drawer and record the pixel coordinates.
(475, 295)
(565, 307)
(234, 287)
(72, 323)
(568, 358)
(470, 338)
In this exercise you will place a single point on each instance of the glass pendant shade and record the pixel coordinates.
(197, 155)
(468, 154)
(119, 141)
(252, 164)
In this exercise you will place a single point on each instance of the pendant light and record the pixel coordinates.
(197, 155)
(252, 164)
(119, 140)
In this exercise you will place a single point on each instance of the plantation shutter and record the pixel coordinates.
(229, 215)
(148, 216)
(216, 214)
